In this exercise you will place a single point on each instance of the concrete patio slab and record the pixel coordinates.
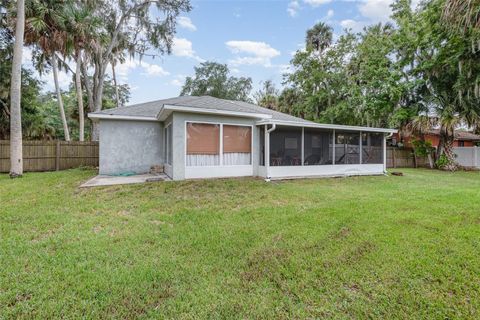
(104, 180)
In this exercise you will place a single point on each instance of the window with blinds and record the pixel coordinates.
(237, 145)
(203, 144)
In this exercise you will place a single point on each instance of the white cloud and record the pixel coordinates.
(355, 26)
(153, 70)
(183, 48)
(293, 8)
(257, 53)
(186, 23)
(379, 10)
(178, 81)
(260, 49)
(122, 70)
(330, 14)
(316, 3)
(376, 10)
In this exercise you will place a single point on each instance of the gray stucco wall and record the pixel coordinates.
(130, 146)
(179, 120)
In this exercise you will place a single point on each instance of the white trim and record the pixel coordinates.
(167, 109)
(385, 154)
(324, 126)
(334, 145)
(118, 117)
(221, 146)
(302, 156)
(218, 172)
(325, 170)
(360, 149)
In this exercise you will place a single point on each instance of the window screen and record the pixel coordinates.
(203, 144)
(372, 148)
(286, 147)
(347, 147)
(318, 147)
(237, 145)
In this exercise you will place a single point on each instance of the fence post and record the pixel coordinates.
(57, 156)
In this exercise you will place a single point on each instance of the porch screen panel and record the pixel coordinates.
(286, 147)
(203, 144)
(372, 148)
(347, 147)
(318, 147)
(237, 145)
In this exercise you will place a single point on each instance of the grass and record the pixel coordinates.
(361, 247)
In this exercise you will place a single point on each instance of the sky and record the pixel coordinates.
(254, 38)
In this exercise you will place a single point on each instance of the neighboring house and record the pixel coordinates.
(462, 139)
(205, 137)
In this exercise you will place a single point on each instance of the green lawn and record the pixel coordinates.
(377, 247)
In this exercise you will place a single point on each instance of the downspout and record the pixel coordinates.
(267, 150)
(385, 151)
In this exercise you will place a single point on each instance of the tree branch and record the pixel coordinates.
(119, 27)
(64, 63)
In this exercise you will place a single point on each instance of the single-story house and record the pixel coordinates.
(462, 138)
(206, 137)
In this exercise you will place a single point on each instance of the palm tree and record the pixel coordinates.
(81, 25)
(319, 37)
(465, 15)
(447, 113)
(16, 157)
(267, 96)
(45, 28)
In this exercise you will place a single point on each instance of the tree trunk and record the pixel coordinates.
(88, 85)
(98, 99)
(117, 97)
(59, 98)
(446, 149)
(430, 160)
(81, 114)
(16, 157)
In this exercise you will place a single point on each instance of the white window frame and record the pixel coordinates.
(221, 124)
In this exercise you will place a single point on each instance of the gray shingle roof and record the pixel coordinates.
(153, 108)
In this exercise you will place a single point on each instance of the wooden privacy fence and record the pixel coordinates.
(51, 155)
(61, 155)
(404, 158)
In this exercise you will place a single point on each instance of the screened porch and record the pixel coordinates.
(293, 147)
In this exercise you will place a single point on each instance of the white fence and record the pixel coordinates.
(468, 156)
